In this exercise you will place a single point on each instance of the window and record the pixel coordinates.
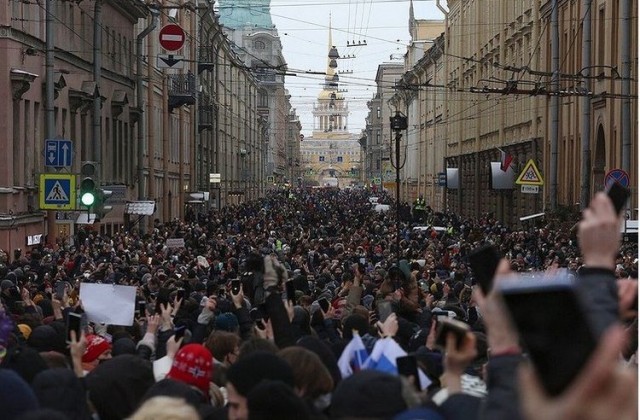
(320, 158)
(339, 159)
(263, 99)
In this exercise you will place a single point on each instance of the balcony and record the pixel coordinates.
(206, 59)
(182, 90)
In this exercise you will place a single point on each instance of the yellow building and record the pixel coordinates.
(331, 156)
(487, 86)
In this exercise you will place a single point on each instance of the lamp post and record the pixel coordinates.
(398, 124)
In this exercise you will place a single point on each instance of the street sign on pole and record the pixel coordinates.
(616, 175)
(58, 153)
(530, 175)
(57, 192)
(170, 61)
(171, 37)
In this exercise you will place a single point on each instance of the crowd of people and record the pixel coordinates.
(258, 313)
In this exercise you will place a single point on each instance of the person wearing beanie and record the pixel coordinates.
(98, 350)
(227, 322)
(275, 400)
(193, 365)
(16, 397)
(59, 389)
(247, 373)
(117, 386)
(368, 394)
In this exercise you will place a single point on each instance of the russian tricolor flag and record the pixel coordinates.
(353, 357)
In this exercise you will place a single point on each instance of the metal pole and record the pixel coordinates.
(201, 180)
(140, 102)
(398, 137)
(555, 107)
(585, 188)
(625, 47)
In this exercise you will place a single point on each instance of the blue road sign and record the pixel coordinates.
(57, 191)
(616, 175)
(58, 153)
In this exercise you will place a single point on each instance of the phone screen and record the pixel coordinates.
(324, 304)
(60, 290)
(384, 310)
(142, 307)
(178, 332)
(408, 366)
(484, 263)
(291, 291)
(74, 322)
(554, 330)
(235, 286)
(618, 195)
(446, 326)
(180, 294)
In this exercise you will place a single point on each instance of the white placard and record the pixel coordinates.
(175, 242)
(108, 303)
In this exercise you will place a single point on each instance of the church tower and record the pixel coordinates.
(331, 112)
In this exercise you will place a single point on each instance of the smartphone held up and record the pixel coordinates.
(553, 327)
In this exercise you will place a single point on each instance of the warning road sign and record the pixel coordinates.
(57, 192)
(530, 175)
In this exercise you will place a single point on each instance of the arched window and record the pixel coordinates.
(259, 45)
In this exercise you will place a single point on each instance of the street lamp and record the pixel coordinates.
(398, 124)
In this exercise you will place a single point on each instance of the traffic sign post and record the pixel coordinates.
(616, 175)
(57, 192)
(171, 37)
(58, 153)
(530, 175)
(170, 61)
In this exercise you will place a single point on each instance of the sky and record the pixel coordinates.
(303, 27)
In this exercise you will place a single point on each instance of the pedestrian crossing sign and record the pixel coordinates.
(530, 175)
(57, 192)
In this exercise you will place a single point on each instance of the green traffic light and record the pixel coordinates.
(88, 199)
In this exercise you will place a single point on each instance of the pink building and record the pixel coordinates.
(23, 113)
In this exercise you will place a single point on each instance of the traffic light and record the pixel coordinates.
(100, 209)
(88, 183)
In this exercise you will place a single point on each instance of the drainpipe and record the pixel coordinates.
(555, 106)
(139, 101)
(445, 59)
(585, 184)
(97, 75)
(50, 114)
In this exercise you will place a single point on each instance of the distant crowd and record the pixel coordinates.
(289, 307)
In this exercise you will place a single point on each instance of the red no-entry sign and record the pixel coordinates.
(171, 37)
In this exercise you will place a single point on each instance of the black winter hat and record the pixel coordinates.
(368, 394)
(248, 372)
(275, 400)
(116, 386)
(59, 389)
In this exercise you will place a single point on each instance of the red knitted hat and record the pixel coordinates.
(96, 345)
(193, 365)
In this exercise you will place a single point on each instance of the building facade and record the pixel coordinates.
(487, 87)
(255, 40)
(157, 128)
(379, 169)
